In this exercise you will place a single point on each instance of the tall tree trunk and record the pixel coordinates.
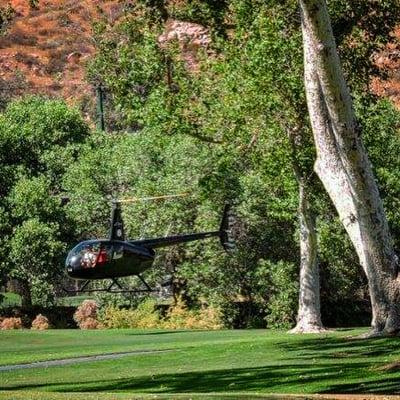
(309, 311)
(343, 165)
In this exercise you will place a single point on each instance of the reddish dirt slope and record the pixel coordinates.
(389, 61)
(47, 47)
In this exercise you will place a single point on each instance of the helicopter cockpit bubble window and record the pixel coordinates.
(92, 254)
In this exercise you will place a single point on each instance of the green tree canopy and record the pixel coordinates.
(39, 139)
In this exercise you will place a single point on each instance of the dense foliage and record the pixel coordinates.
(39, 139)
(220, 131)
(242, 103)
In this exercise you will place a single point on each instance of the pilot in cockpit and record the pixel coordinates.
(89, 256)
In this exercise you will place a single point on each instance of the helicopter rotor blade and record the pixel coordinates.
(137, 199)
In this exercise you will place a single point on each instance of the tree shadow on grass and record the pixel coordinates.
(324, 364)
(326, 378)
(386, 386)
(155, 333)
(341, 347)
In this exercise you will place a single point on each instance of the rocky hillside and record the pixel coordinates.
(46, 43)
(389, 61)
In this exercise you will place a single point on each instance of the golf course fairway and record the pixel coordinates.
(130, 364)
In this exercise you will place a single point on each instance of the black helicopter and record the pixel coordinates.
(118, 257)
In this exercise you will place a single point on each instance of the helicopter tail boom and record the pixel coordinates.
(224, 233)
(173, 240)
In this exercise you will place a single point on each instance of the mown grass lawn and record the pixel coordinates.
(203, 364)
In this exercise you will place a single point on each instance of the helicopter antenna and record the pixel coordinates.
(137, 199)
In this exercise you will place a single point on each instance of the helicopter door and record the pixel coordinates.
(101, 257)
(104, 255)
(118, 251)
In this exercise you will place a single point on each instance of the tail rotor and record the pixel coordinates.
(226, 230)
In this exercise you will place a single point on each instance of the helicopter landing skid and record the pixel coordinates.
(118, 288)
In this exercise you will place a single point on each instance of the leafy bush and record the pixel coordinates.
(33, 246)
(9, 300)
(209, 318)
(40, 323)
(89, 323)
(27, 59)
(17, 37)
(11, 323)
(7, 13)
(180, 317)
(282, 306)
(86, 315)
(60, 317)
(144, 316)
(34, 4)
(39, 138)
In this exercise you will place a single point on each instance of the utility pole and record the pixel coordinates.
(100, 108)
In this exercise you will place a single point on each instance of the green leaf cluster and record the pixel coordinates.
(237, 110)
(223, 132)
(39, 139)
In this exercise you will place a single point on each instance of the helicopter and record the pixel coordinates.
(117, 257)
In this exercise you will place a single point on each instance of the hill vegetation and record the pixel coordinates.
(45, 44)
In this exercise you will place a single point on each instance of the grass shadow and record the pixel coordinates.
(341, 347)
(326, 364)
(265, 379)
(156, 333)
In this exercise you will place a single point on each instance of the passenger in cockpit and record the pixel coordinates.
(89, 258)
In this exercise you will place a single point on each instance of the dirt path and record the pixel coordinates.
(77, 360)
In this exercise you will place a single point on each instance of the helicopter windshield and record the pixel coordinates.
(91, 254)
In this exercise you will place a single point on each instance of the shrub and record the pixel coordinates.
(34, 4)
(64, 20)
(145, 316)
(55, 65)
(17, 37)
(282, 304)
(86, 315)
(210, 318)
(27, 59)
(7, 14)
(116, 318)
(49, 44)
(89, 323)
(11, 323)
(60, 316)
(180, 317)
(40, 323)
(11, 87)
